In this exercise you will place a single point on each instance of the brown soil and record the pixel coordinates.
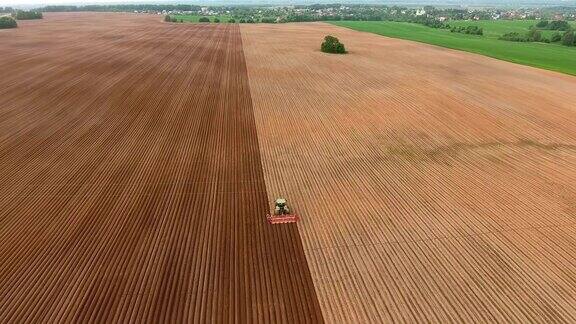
(132, 187)
(434, 185)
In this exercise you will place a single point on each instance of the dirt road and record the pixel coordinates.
(132, 187)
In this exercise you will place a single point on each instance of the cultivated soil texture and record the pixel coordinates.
(434, 185)
(132, 186)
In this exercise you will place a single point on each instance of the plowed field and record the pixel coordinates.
(131, 181)
(434, 185)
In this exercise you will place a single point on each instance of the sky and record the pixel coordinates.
(50, 2)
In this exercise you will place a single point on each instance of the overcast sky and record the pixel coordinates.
(40, 3)
(43, 2)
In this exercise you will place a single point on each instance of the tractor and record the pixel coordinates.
(282, 213)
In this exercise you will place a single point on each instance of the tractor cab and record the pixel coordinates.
(280, 208)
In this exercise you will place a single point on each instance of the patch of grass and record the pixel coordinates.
(553, 57)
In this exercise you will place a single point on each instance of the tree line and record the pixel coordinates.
(173, 19)
(10, 21)
(25, 15)
(534, 34)
(553, 25)
(469, 30)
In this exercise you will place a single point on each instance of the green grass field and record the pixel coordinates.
(194, 19)
(553, 57)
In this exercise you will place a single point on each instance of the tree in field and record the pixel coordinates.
(25, 15)
(553, 25)
(534, 35)
(556, 37)
(204, 19)
(558, 25)
(7, 22)
(514, 37)
(331, 44)
(231, 20)
(216, 20)
(167, 18)
(568, 38)
(470, 30)
(542, 24)
(174, 19)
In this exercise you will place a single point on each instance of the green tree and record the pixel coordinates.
(331, 44)
(231, 20)
(514, 37)
(568, 38)
(167, 18)
(25, 15)
(558, 25)
(7, 22)
(534, 35)
(216, 20)
(268, 20)
(542, 24)
(556, 37)
(204, 19)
